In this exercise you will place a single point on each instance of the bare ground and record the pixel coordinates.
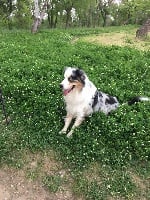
(119, 39)
(27, 183)
(14, 186)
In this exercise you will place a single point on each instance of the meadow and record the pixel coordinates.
(108, 157)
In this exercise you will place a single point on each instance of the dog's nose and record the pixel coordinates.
(61, 86)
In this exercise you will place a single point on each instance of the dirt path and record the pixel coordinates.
(14, 186)
(27, 183)
(119, 39)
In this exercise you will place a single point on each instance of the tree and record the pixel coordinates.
(78, 5)
(143, 30)
(7, 8)
(53, 8)
(23, 14)
(133, 11)
(10, 9)
(87, 14)
(68, 5)
(103, 6)
(141, 11)
(38, 15)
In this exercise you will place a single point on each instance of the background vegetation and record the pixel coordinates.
(73, 13)
(105, 149)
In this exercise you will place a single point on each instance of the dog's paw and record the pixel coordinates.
(62, 132)
(69, 135)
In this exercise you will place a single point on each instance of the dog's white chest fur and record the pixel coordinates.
(78, 102)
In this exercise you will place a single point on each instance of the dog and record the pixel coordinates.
(82, 98)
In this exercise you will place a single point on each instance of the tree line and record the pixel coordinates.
(71, 13)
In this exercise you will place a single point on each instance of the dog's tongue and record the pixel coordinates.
(65, 92)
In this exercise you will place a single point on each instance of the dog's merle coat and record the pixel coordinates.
(104, 102)
(82, 98)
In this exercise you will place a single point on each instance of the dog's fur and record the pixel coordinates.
(82, 98)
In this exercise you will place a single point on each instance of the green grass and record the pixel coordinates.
(53, 182)
(31, 70)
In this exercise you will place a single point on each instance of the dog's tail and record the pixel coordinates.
(137, 99)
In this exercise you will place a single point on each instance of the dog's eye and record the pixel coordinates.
(70, 79)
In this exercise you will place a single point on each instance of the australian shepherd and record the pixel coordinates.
(82, 98)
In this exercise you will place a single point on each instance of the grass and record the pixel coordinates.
(108, 157)
(122, 38)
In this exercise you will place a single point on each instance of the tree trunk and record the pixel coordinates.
(55, 22)
(68, 18)
(38, 17)
(35, 25)
(68, 14)
(9, 13)
(51, 18)
(143, 30)
(103, 13)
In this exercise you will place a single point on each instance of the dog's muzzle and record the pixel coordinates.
(66, 91)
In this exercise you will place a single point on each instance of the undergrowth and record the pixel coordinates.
(31, 70)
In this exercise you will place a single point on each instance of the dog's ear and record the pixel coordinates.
(65, 68)
(80, 73)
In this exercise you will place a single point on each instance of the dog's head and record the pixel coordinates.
(74, 78)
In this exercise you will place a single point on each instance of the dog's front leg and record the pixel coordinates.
(68, 120)
(77, 123)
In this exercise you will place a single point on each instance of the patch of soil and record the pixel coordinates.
(119, 39)
(18, 184)
(15, 186)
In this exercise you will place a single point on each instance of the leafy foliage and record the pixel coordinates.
(73, 13)
(52, 182)
(31, 70)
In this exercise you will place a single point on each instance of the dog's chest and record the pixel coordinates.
(78, 104)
